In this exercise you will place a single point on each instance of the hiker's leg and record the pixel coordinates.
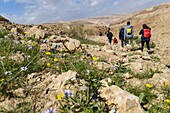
(131, 41)
(142, 45)
(147, 44)
(122, 42)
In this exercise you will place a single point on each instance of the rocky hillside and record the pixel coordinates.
(67, 68)
(2, 19)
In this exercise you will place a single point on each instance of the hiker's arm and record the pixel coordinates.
(141, 32)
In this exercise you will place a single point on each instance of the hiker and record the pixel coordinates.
(109, 36)
(121, 36)
(128, 33)
(146, 35)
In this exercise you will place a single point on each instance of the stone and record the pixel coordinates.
(126, 102)
(135, 66)
(127, 75)
(135, 56)
(160, 79)
(19, 92)
(127, 48)
(146, 57)
(72, 44)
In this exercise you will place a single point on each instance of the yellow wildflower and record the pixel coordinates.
(2, 80)
(95, 58)
(148, 85)
(22, 38)
(55, 59)
(26, 33)
(48, 64)
(167, 100)
(168, 107)
(34, 44)
(60, 96)
(48, 53)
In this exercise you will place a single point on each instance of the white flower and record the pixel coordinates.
(7, 72)
(28, 57)
(29, 47)
(88, 71)
(68, 93)
(113, 111)
(24, 68)
(50, 110)
(116, 66)
(45, 40)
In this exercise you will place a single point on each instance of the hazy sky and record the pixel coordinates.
(42, 11)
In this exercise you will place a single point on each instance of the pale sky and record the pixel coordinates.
(43, 11)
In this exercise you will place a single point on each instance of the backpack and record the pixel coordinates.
(147, 33)
(122, 32)
(129, 30)
(115, 41)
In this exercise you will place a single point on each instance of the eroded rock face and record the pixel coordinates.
(126, 102)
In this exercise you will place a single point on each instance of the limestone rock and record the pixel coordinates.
(136, 66)
(160, 79)
(72, 44)
(126, 102)
(146, 57)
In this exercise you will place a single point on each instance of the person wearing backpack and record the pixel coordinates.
(121, 36)
(146, 35)
(109, 36)
(128, 33)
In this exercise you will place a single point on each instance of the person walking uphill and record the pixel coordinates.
(109, 36)
(128, 33)
(121, 36)
(146, 35)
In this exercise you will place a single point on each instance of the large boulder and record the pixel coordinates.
(39, 33)
(126, 102)
(72, 44)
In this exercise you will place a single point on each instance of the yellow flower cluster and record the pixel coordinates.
(95, 58)
(2, 80)
(48, 64)
(55, 59)
(34, 43)
(48, 53)
(60, 96)
(167, 100)
(148, 85)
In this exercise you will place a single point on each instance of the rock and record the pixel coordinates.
(166, 60)
(135, 56)
(16, 30)
(125, 60)
(135, 66)
(160, 79)
(126, 102)
(127, 75)
(58, 39)
(127, 48)
(60, 80)
(102, 65)
(72, 44)
(146, 57)
(39, 33)
(19, 92)
(106, 81)
(134, 82)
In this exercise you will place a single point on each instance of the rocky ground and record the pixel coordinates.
(65, 60)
